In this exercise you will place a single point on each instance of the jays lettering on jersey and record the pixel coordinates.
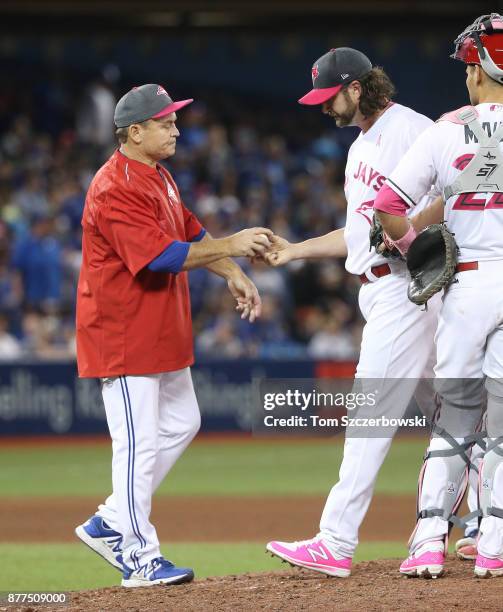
(438, 156)
(371, 158)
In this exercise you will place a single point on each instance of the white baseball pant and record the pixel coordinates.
(152, 419)
(398, 347)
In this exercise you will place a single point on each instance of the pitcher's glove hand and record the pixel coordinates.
(383, 245)
(431, 260)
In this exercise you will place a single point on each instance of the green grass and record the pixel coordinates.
(67, 567)
(244, 468)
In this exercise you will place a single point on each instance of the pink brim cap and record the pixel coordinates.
(172, 108)
(318, 96)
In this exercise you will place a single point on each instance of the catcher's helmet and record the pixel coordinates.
(482, 43)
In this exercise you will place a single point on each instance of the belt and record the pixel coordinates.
(378, 271)
(467, 265)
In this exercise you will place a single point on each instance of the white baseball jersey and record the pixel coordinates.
(371, 159)
(438, 156)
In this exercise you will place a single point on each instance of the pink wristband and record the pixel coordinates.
(403, 243)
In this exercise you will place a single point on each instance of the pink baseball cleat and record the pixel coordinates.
(312, 554)
(486, 567)
(466, 548)
(427, 562)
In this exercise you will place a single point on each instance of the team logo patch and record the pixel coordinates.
(366, 210)
(315, 72)
(161, 91)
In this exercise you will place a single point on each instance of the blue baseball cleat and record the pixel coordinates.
(102, 539)
(156, 571)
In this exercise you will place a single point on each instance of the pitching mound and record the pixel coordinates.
(374, 585)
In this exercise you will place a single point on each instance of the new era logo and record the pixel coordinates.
(315, 72)
(344, 76)
(161, 91)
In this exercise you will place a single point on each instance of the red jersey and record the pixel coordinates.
(131, 320)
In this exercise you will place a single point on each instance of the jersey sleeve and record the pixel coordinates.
(193, 227)
(415, 174)
(129, 225)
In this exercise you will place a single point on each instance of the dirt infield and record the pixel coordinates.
(374, 586)
(217, 519)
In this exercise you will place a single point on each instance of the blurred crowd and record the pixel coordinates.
(237, 165)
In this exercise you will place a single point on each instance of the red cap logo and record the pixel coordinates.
(315, 72)
(161, 91)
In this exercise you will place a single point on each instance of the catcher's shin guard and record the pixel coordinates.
(442, 484)
(492, 463)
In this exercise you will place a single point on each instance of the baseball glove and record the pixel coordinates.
(431, 260)
(378, 239)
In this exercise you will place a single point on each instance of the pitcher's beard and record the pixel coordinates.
(345, 118)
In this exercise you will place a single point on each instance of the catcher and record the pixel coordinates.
(462, 155)
(432, 261)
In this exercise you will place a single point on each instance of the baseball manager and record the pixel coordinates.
(134, 327)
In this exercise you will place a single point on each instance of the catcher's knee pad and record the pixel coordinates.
(494, 413)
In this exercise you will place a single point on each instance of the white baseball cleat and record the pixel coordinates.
(466, 548)
(156, 571)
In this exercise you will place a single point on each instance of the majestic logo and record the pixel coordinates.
(172, 193)
(451, 488)
(315, 72)
(161, 91)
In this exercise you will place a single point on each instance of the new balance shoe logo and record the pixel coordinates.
(115, 544)
(317, 553)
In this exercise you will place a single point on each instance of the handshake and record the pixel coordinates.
(260, 244)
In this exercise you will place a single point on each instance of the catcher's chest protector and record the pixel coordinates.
(484, 173)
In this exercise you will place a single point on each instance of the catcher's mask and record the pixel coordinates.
(482, 43)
